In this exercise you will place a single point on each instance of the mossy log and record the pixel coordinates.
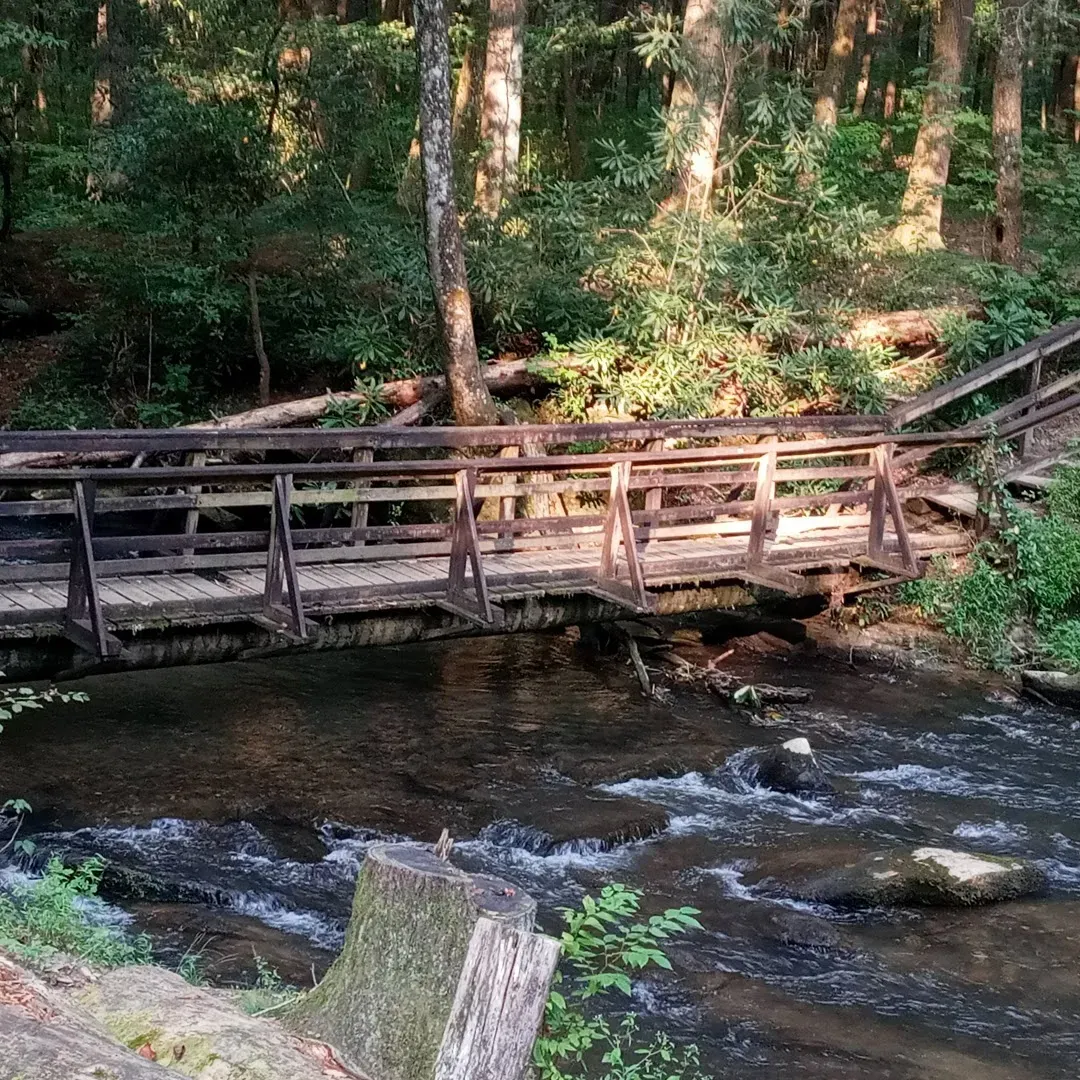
(385, 1002)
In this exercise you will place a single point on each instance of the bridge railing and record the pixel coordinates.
(160, 533)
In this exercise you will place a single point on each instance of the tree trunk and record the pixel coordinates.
(500, 116)
(1007, 133)
(472, 403)
(570, 117)
(257, 339)
(831, 87)
(920, 212)
(7, 187)
(1076, 102)
(463, 126)
(863, 89)
(703, 101)
(385, 1002)
(101, 99)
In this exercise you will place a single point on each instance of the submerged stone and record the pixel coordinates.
(927, 876)
(791, 768)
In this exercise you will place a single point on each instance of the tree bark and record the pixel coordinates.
(1007, 133)
(831, 87)
(920, 212)
(385, 1002)
(7, 187)
(469, 396)
(257, 338)
(703, 101)
(463, 125)
(570, 117)
(1076, 101)
(862, 90)
(500, 115)
(101, 97)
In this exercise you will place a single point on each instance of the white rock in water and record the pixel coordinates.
(960, 865)
(798, 746)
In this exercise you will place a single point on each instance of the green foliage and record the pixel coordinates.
(1031, 574)
(603, 947)
(270, 991)
(13, 702)
(52, 915)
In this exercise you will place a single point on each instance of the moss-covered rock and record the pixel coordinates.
(934, 877)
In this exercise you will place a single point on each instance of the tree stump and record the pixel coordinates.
(385, 1002)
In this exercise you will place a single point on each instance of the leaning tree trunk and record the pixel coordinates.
(862, 90)
(386, 1002)
(831, 87)
(500, 114)
(920, 212)
(700, 94)
(469, 394)
(1008, 130)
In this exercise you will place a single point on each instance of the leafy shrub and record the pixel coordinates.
(602, 948)
(53, 914)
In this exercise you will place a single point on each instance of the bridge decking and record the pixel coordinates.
(182, 597)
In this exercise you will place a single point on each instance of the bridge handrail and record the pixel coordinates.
(444, 467)
(389, 437)
(1030, 354)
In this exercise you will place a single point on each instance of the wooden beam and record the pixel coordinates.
(619, 536)
(465, 550)
(281, 576)
(85, 621)
(1053, 341)
(764, 490)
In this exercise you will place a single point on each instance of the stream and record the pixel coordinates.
(238, 801)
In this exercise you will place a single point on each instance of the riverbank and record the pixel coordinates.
(246, 797)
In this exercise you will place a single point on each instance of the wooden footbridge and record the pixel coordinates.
(109, 535)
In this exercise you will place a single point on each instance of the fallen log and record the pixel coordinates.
(440, 975)
(904, 328)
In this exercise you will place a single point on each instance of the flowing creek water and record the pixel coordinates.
(239, 800)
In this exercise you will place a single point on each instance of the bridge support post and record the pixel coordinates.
(84, 622)
(281, 572)
(886, 498)
(1026, 440)
(757, 571)
(465, 549)
(619, 530)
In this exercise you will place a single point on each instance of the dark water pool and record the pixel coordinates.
(246, 795)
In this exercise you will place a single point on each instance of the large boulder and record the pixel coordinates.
(791, 768)
(1058, 687)
(139, 1023)
(926, 876)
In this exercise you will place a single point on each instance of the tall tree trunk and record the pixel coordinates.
(500, 116)
(463, 125)
(920, 212)
(1008, 130)
(570, 117)
(257, 338)
(469, 394)
(1076, 102)
(703, 101)
(831, 87)
(863, 88)
(101, 97)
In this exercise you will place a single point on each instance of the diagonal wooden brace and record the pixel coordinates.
(886, 499)
(281, 577)
(619, 535)
(465, 552)
(84, 621)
